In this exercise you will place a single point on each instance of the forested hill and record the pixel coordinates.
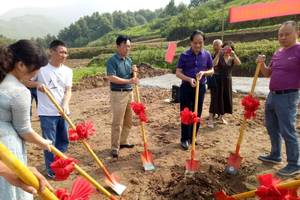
(173, 22)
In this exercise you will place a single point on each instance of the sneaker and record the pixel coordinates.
(269, 159)
(115, 153)
(210, 124)
(289, 171)
(51, 176)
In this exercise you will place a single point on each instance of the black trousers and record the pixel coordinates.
(187, 99)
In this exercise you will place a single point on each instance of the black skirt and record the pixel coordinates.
(221, 96)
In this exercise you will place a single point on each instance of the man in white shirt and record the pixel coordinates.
(58, 79)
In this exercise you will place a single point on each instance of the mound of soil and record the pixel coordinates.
(201, 185)
(145, 71)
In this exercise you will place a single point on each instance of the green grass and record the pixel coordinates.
(83, 72)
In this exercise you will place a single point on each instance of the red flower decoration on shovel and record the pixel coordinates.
(62, 168)
(83, 131)
(139, 110)
(250, 104)
(81, 190)
(268, 190)
(188, 117)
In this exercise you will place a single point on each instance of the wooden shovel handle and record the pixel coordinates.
(196, 111)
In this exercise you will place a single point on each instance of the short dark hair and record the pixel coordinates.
(26, 51)
(55, 43)
(197, 32)
(122, 39)
(292, 23)
(228, 43)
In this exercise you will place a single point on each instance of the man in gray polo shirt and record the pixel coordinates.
(119, 71)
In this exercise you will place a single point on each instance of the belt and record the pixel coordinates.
(121, 89)
(284, 91)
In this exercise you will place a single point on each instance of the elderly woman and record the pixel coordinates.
(221, 96)
(195, 62)
(18, 62)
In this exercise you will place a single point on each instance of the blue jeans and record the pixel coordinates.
(187, 99)
(280, 116)
(55, 129)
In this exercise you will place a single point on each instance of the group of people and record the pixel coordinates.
(25, 64)
(197, 64)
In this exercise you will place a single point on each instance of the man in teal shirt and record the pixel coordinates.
(119, 71)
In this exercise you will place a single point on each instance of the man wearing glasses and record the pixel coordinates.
(58, 79)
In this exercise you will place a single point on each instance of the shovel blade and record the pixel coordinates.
(114, 184)
(233, 163)
(147, 160)
(191, 166)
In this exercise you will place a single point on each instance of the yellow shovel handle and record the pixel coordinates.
(244, 122)
(83, 173)
(255, 78)
(138, 99)
(288, 185)
(196, 111)
(11, 161)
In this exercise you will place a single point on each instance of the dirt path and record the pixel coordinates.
(163, 130)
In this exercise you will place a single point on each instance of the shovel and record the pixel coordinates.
(84, 174)
(234, 160)
(146, 156)
(192, 165)
(110, 179)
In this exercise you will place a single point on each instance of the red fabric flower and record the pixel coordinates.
(81, 190)
(188, 117)
(268, 190)
(221, 195)
(62, 168)
(83, 131)
(250, 104)
(139, 110)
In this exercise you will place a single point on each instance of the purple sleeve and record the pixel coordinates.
(180, 62)
(209, 61)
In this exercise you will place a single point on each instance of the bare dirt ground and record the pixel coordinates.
(163, 129)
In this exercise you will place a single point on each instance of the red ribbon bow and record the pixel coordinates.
(268, 190)
(83, 131)
(250, 104)
(81, 190)
(62, 168)
(221, 195)
(188, 117)
(139, 110)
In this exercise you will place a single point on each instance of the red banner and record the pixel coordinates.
(264, 10)
(169, 57)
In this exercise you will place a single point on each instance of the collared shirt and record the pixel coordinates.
(285, 69)
(191, 64)
(120, 67)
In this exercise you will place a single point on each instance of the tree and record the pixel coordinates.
(195, 3)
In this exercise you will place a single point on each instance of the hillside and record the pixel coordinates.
(29, 26)
(206, 17)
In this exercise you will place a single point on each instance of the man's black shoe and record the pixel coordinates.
(114, 153)
(126, 146)
(185, 145)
